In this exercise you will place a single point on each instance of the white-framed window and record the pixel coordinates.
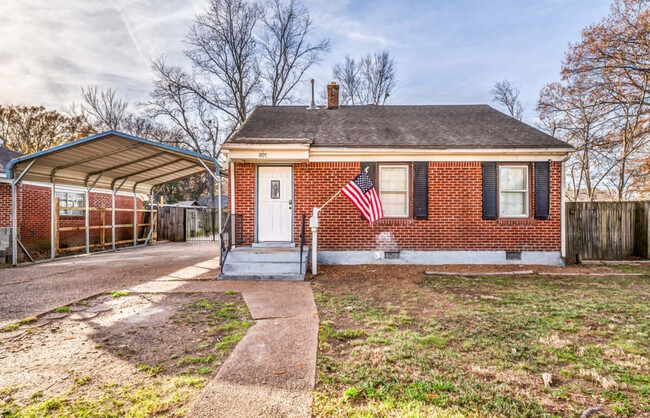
(393, 189)
(70, 200)
(513, 191)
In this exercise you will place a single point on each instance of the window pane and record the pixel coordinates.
(394, 204)
(68, 200)
(513, 178)
(513, 204)
(393, 178)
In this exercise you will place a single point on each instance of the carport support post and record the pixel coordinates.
(151, 224)
(14, 213)
(87, 221)
(135, 219)
(14, 225)
(219, 205)
(113, 219)
(53, 222)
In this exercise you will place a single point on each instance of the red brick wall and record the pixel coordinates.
(455, 214)
(245, 198)
(5, 205)
(34, 203)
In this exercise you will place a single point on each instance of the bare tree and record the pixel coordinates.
(507, 95)
(173, 102)
(347, 74)
(195, 120)
(103, 110)
(223, 51)
(369, 80)
(378, 74)
(608, 69)
(287, 52)
(242, 53)
(575, 115)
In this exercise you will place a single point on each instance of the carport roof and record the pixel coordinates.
(111, 160)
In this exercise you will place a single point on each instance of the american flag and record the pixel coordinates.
(363, 195)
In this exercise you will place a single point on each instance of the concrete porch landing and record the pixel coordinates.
(269, 263)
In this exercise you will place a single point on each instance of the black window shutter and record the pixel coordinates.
(542, 190)
(489, 190)
(372, 173)
(421, 190)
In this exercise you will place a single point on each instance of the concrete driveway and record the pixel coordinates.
(34, 289)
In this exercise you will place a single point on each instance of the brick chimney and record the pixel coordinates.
(333, 95)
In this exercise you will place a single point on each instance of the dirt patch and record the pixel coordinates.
(119, 353)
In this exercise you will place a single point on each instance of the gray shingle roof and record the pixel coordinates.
(435, 127)
(7, 155)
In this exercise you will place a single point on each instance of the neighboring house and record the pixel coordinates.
(6, 155)
(459, 184)
(185, 204)
(205, 200)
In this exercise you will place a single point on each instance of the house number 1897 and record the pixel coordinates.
(263, 155)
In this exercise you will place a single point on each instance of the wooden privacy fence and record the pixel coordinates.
(607, 230)
(189, 224)
(171, 223)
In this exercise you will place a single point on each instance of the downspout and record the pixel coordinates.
(563, 208)
(53, 226)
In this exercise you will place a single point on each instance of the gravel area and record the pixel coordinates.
(35, 289)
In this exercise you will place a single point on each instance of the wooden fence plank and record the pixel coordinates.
(171, 223)
(608, 230)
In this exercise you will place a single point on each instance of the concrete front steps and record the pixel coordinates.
(275, 263)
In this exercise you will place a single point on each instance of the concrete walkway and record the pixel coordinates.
(271, 372)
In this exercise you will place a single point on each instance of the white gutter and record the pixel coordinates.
(563, 208)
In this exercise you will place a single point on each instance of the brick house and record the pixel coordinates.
(459, 184)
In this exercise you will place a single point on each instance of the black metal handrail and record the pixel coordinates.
(302, 239)
(228, 238)
(225, 239)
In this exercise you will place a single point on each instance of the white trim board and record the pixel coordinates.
(304, 153)
(549, 258)
(416, 154)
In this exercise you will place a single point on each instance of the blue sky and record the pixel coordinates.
(447, 52)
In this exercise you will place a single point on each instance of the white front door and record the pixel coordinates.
(274, 204)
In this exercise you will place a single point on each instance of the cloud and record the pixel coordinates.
(53, 47)
(449, 52)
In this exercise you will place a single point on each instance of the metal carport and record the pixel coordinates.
(112, 161)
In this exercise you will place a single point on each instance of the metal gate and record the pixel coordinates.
(202, 224)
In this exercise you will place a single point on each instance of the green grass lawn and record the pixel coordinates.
(394, 342)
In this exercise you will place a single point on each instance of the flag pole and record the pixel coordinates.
(313, 224)
(330, 199)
